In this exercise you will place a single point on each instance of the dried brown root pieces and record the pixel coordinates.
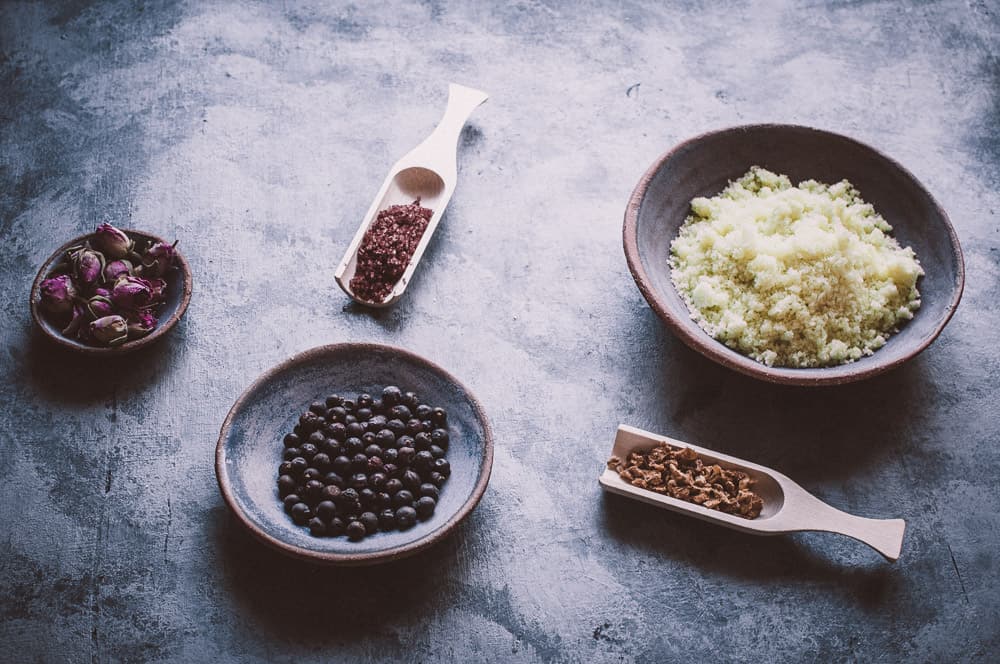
(680, 473)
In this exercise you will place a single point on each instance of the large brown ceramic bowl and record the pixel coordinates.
(702, 166)
(250, 447)
(178, 296)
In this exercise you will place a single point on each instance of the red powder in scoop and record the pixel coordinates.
(386, 249)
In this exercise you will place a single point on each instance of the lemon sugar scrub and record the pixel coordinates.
(804, 276)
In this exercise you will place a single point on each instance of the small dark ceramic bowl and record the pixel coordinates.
(250, 447)
(177, 298)
(703, 166)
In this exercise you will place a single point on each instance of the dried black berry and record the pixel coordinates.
(316, 438)
(385, 438)
(355, 430)
(411, 480)
(313, 489)
(300, 513)
(353, 446)
(292, 440)
(318, 407)
(396, 427)
(338, 431)
(391, 470)
(336, 527)
(393, 486)
(382, 500)
(423, 411)
(402, 498)
(326, 510)
(308, 450)
(359, 462)
(333, 479)
(311, 474)
(391, 396)
(377, 405)
(373, 451)
(411, 400)
(359, 480)
(440, 437)
(377, 481)
(337, 413)
(341, 465)
(439, 417)
(334, 400)
(290, 453)
(290, 501)
(437, 479)
(386, 520)
(442, 466)
(425, 507)
(403, 441)
(299, 465)
(390, 455)
(370, 521)
(368, 438)
(356, 531)
(286, 485)
(428, 489)
(364, 414)
(422, 441)
(400, 412)
(285, 468)
(350, 405)
(317, 527)
(321, 462)
(366, 497)
(405, 517)
(436, 452)
(330, 492)
(348, 496)
(414, 426)
(364, 400)
(406, 455)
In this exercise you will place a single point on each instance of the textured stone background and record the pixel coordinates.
(257, 134)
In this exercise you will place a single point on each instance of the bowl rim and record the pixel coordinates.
(354, 559)
(718, 352)
(162, 328)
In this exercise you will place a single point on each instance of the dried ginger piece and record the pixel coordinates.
(680, 473)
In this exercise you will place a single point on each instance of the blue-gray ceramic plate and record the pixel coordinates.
(250, 447)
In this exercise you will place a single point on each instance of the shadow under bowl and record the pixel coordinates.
(178, 296)
(705, 164)
(250, 447)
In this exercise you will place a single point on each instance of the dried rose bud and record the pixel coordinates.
(110, 330)
(88, 267)
(131, 293)
(79, 316)
(112, 242)
(141, 325)
(103, 292)
(158, 287)
(115, 269)
(100, 306)
(158, 259)
(58, 293)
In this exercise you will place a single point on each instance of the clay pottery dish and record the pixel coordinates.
(788, 508)
(250, 447)
(179, 284)
(704, 165)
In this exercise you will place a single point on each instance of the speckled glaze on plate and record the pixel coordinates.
(249, 448)
(178, 296)
(703, 165)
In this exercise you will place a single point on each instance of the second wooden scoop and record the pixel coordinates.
(787, 506)
(428, 172)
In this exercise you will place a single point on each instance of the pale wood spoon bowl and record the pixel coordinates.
(788, 507)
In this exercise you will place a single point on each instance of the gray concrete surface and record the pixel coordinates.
(257, 134)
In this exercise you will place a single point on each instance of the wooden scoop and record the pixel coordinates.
(428, 172)
(787, 506)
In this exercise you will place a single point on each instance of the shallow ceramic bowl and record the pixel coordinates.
(702, 166)
(250, 447)
(177, 299)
